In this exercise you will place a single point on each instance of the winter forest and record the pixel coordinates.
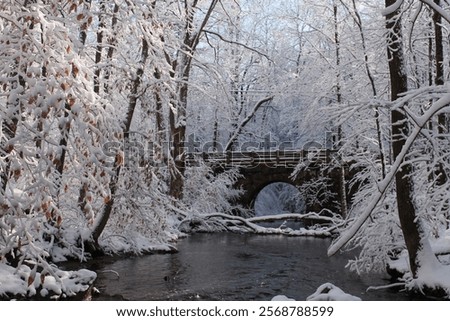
(101, 103)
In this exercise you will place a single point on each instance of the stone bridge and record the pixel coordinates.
(319, 184)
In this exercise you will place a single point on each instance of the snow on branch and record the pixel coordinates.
(312, 216)
(386, 182)
(222, 221)
(246, 120)
(237, 43)
(392, 8)
(433, 5)
(201, 28)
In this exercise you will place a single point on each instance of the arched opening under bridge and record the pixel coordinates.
(279, 198)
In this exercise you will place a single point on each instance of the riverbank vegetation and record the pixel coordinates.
(100, 102)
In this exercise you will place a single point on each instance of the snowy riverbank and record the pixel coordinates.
(23, 283)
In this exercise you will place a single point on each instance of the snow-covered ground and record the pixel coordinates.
(325, 292)
(330, 292)
(55, 284)
(434, 271)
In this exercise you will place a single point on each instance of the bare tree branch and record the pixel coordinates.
(245, 121)
(238, 43)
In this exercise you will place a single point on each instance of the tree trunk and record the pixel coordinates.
(342, 181)
(14, 109)
(338, 62)
(112, 42)
(177, 162)
(439, 80)
(439, 48)
(177, 116)
(409, 222)
(63, 142)
(359, 22)
(216, 133)
(240, 127)
(99, 49)
(119, 160)
(82, 202)
(9, 128)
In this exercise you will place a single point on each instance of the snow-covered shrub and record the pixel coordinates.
(209, 192)
(141, 219)
(380, 240)
(51, 282)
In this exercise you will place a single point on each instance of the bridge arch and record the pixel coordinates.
(255, 179)
(278, 198)
(254, 190)
(258, 169)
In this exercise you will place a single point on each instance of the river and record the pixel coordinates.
(228, 266)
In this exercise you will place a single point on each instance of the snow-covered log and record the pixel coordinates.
(215, 222)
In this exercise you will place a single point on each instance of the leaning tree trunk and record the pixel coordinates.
(119, 160)
(409, 222)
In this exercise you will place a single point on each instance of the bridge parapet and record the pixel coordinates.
(272, 159)
(319, 183)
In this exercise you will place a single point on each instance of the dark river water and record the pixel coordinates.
(229, 266)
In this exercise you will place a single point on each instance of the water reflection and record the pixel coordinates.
(235, 267)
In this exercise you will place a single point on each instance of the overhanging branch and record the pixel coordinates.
(237, 43)
(245, 121)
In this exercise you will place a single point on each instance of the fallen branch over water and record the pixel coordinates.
(214, 222)
(313, 216)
